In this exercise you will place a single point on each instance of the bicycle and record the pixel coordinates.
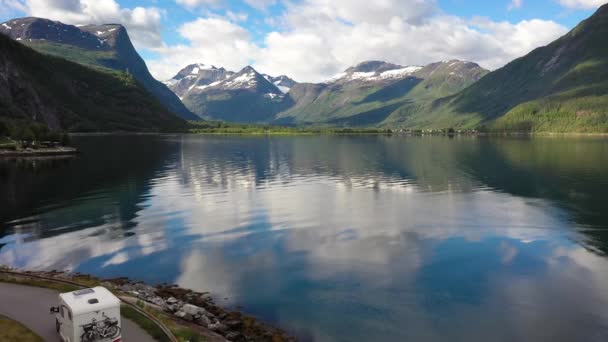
(96, 330)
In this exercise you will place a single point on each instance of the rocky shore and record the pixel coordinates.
(186, 307)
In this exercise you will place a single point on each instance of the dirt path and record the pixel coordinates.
(30, 306)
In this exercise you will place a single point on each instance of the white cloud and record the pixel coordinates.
(326, 37)
(316, 39)
(237, 16)
(582, 4)
(260, 4)
(515, 4)
(197, 3)
(212, 41)
(143, 23)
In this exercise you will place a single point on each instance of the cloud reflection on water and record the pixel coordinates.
(342, 238)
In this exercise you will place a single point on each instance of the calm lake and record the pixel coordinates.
(335, 238)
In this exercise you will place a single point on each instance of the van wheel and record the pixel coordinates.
(57, 325)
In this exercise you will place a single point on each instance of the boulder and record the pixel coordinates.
(193, 310)
(217, 327)
(204, 321)
(157, 300)
(233, 335)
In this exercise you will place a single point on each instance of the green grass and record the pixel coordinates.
(14, 331)
(181, 332)
(144, 323)
(37, 283)
(96, 59)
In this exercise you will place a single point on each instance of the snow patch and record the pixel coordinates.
(337, 77)
(374, 76)
(99, 33)
(195, 71)
(397, 73)
(243, 81)
(6, 26)
(203, 87)
(362, 75)
(18, 39)
(272, 96)
(284, 89)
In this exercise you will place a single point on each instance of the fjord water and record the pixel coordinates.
(335, 238)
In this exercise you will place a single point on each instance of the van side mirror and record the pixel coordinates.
(54, 309)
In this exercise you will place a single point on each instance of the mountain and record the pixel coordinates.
(561, 87)
(107, 47)
(38, 89)
(282, 82)
(245, 96)
(196, 76)
(376, 92)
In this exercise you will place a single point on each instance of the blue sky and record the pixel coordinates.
(313, 39)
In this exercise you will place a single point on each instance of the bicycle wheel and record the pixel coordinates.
(113, 331)
(88, 336)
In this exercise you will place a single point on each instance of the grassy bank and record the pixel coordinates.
(14, 331)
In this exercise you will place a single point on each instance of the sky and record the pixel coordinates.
(312, 40)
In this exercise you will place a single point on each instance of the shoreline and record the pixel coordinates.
(186, 307)
(304, 133)
(42, 152)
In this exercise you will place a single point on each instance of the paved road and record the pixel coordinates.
(30, 306)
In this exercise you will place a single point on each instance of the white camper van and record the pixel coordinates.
(88, 315)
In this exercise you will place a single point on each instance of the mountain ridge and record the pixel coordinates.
(36, 88)
(560, 87)
(105, 46)
(245, 96)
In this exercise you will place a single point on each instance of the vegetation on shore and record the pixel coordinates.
(218, 127)
(20, 135)
(14, 331)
